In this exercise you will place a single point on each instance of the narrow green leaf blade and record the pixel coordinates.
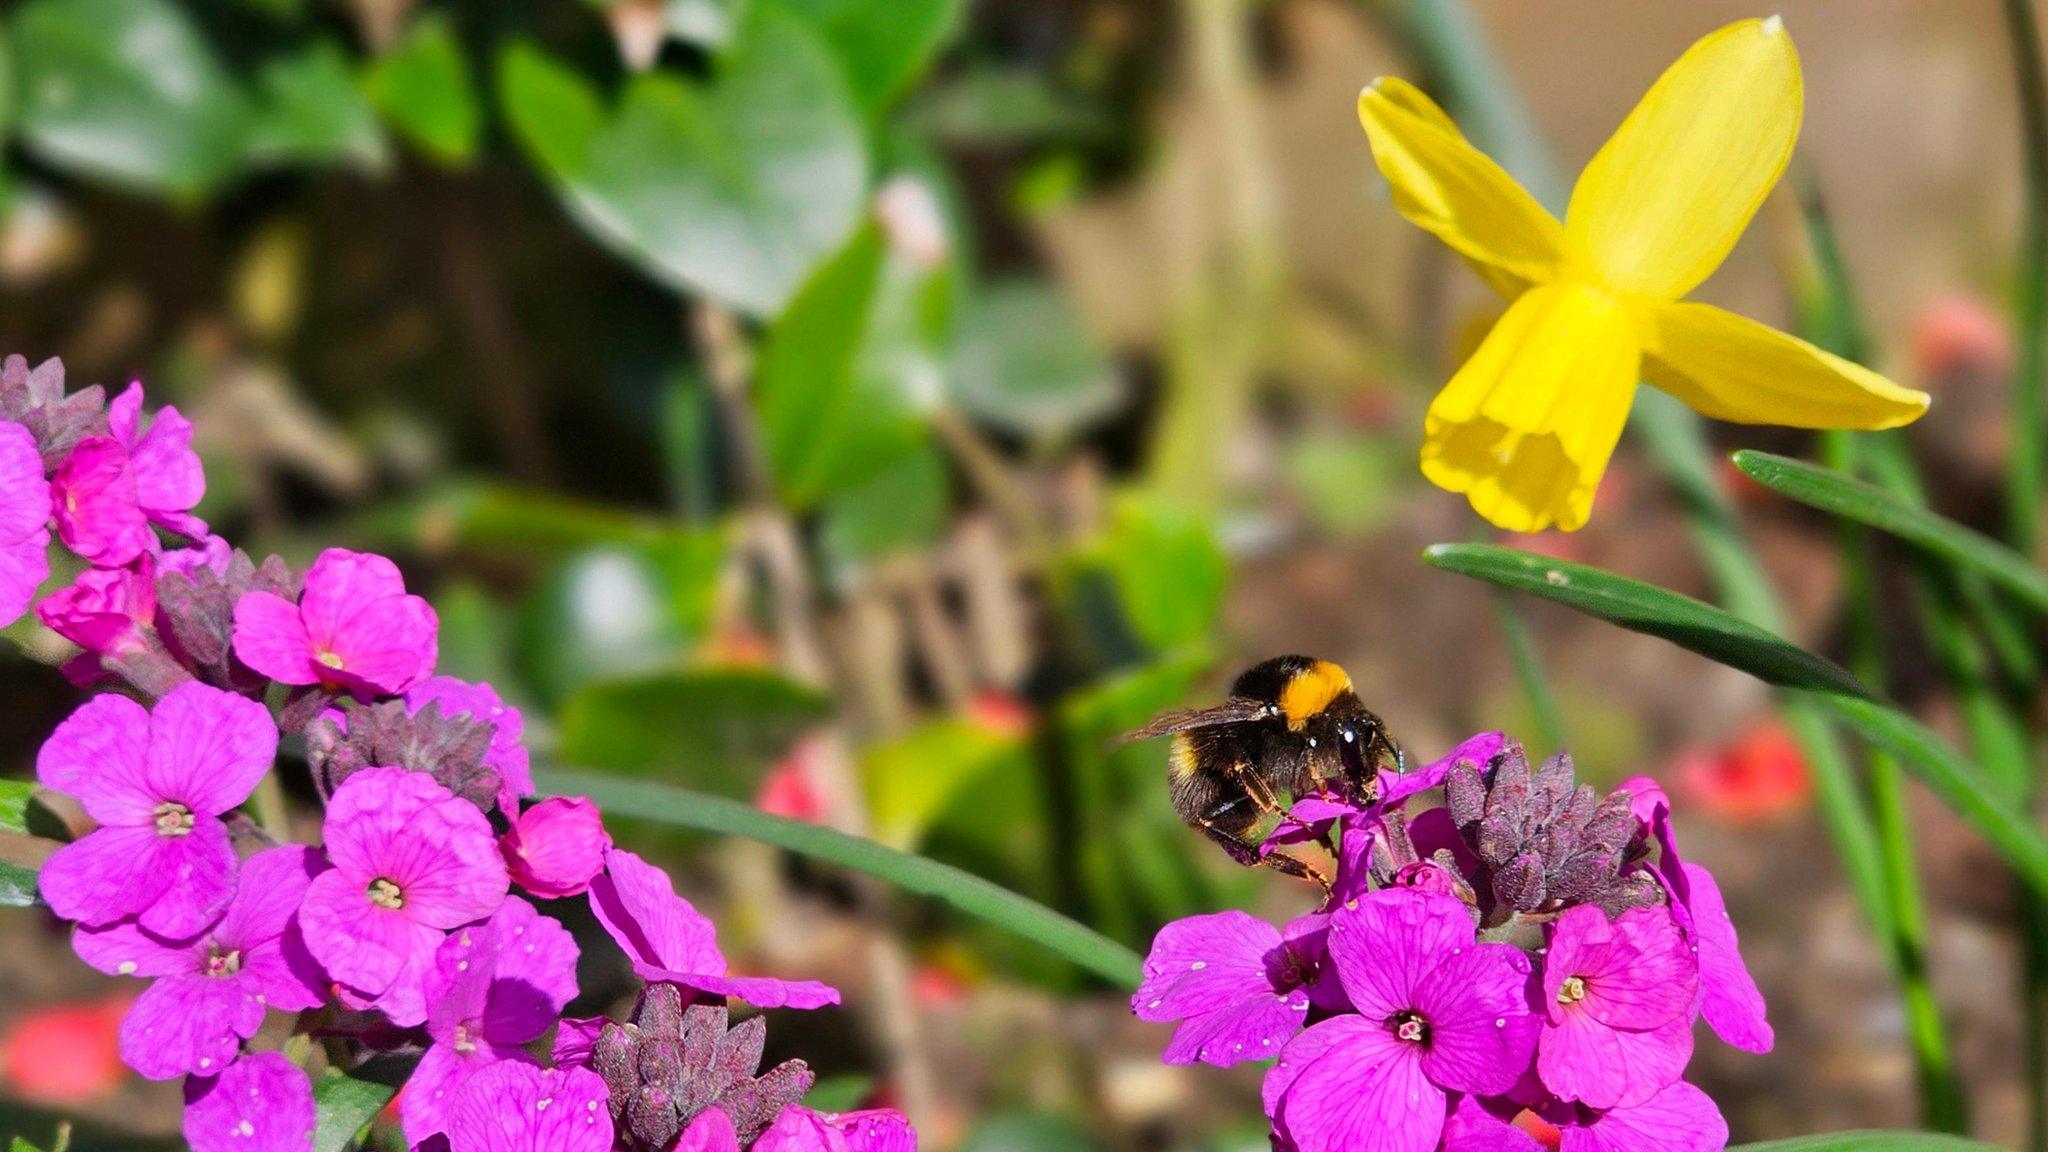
(1852, 499)
(661, 804)
(1870, 1142)
(1960, 784)
(1640, 607)
(345, 1101)
(17, 886)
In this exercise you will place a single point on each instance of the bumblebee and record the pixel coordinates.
(1291, 726)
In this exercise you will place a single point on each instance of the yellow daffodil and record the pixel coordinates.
(1526, 427)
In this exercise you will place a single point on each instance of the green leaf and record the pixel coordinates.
(1640, 607)
(312, 112)
(6, 89)
(839, 1093)
(882, 47)
(704, 23)
(600, 614)
(902, 508)
(1960, 784)
(129, 91)
(343, 1102)
(17, 885)
(423, 87)
(1870, 1142)
(661, 804)
(713, 729)
(736, 188)
(555, 113)
(1029, 1132)
(849, 372)
(14, 800)
(1168, 569)
(1349, 483)
(1024, 362)
(914, 778)
(1867, 504)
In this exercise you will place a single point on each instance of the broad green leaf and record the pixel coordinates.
(1349, 483)
(850, 371)
(991, 107)
(423, 87)
(555, 113)
(343, 1102)
(704, 23)
(1029, 1132)
(883, 47)
(712, 729)
(14, 800)
(901, 508)
(1853, 499)
(517, 522)
(1024, 362)
(641, 800)
(6, 88)
(1640, 607)
(839, 1093)
(475, 637)
(737, 187)
(914, 778)
(17, 885)
(1168, 569)
(1960, 784)
(311, 111)
(127, 90)
(1870, 1142)
(17, 1144)
(599, 615)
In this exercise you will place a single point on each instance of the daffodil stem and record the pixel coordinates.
(1543, 709)
(2030, 296)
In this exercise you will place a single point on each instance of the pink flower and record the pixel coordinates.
(1437, 1013)
(355, 628)
(515, 1107)
(158, 784)
(802, 1130)
(495, 987)
(211, 991)
(95, 504)
(105, 609)
(670, 942)
(1234, 983)
(261, 1104)
(210, 554)
(1618, 999)
(507, 756)
(556, 847)
(169, 481)
(411, 861)
(1681, 1118)
(24, 511)
(1729, 998)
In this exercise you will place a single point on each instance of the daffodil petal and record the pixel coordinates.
(1526, 427)
(1733, 368)
(1444, 184)
(1666, 198)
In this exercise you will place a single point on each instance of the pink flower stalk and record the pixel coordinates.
(105, 609)
(158, 783)
(495, 987)
(169, 481)
(355, 629)
(1438, 1013)
(1233, 981)
(261, 1104)
(1729, 998)
(411, 861)
(556, 847)
(24, 512)
(515, 1107)
(211, 991)
(1618, 1001)
(670, 942)
(507, 757)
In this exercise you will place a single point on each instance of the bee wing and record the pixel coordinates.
(1236, 710)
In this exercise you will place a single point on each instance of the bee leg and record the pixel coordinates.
(1247, 853)
(1256, 788)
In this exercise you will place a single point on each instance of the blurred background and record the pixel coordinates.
(868, 408)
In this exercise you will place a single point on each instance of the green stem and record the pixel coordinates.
(1550, 729)
(2030, 296)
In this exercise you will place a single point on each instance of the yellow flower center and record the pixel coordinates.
(385, 894)
(173, 819)
(1572, 991)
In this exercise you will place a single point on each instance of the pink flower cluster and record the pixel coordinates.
(412, 928)
(1518, 968)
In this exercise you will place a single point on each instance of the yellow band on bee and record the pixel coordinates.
(1311, 691)
(1181, 756)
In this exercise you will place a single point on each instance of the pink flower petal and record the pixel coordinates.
(1732, 1004)
(103, 876)
(514, 1107)
(168, 476)
(760, 991)
(800, 1130)
(1681, 1118)
(877, 1130)
(1301, 1052)
(104, 608)
(188, 1025)
(340, 582)
(124, 414)
(1203, 963)
(94, 498)
(1481, 1031)
(1393, 938)
(124, 949)
(508, 978)
(24, 494)
(556, 847)
(423, 1104)
(576, 1039)
(637, 903)
(366, 947)
(98, 756)
(710, 1131)
(274, 882)
(193, 878)
(208, 748)
(1473, 1127)
(260, 1104)
(1367, 1093)
(387, 645)
(24, 565)
(1584, 1060)
(403, 827)
(271, 639)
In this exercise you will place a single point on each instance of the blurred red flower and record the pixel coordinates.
(64, 1054)
(1757, 776)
